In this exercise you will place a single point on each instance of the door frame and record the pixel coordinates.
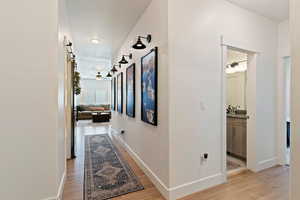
(282, 111)
(251, 107)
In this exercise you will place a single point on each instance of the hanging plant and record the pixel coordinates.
(77, 88)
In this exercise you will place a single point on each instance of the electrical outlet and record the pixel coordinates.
(204, 158)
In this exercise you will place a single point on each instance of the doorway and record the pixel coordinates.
(236, 110)
(239, 148)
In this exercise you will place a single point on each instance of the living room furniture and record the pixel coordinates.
(84, 112)
(100, 117)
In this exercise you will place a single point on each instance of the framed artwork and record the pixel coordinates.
(130, 91)
(120, 92)
(149, 87)
(113, 93)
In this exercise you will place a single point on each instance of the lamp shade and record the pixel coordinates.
(114, 70)
(139, 44)
(123, 61)
(108, 75)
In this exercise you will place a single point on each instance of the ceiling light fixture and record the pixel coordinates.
(139, 44)
(98, 76)
(95, 41)
(124, 61)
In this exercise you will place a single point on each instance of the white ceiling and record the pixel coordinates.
(110, 21)
(276, 10)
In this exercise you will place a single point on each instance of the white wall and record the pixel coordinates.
(150, 143)
(236, 90)
(63, 135)
(31, 145)
(195, 29)
(295, 49)
(94, 92)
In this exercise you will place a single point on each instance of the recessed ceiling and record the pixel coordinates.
(276, 10)
(108, 21)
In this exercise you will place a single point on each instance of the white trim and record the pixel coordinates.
(164, 190)
(60, 189)
(174, 192)
(196, 186)
(61, 186)
(266, 164)
(51, 198)
(224, 52)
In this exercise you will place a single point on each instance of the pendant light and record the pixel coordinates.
(139, 44)
(124, 61)
(98, 76)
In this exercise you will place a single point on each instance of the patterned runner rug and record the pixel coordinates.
(106, 173)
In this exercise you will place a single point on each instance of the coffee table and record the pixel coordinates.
(100, 117)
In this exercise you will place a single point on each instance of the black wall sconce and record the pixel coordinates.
(124, 61)
(139, 44)
(108, 75)
(114, 70)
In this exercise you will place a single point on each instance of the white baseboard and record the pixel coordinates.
(61, 186)
(150, 174)
(266, 164)
(60, 189)
(196, 186)
(51, 198)
(175, 192)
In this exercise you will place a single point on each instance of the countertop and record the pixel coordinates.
(238, 116)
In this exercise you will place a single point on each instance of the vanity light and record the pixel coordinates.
(139, 44)
(124, 61)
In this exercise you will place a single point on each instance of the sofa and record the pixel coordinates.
(84, 112)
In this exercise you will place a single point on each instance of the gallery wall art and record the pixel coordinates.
(149, 87)
(130, 91)
(113, 93)
(120, 92)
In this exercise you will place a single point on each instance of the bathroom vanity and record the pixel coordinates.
(237, 135)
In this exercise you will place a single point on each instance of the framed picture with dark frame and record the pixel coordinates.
(120, 92)
(149, 85)
(130, 91)
(113, 94)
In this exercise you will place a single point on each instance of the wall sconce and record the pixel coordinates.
(139, 44)
(98, 76)
(108, 75)
(124, 61)
(114, 70)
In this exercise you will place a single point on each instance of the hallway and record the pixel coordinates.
(75, 168)
(271, 184)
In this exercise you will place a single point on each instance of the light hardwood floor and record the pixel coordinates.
(271, 184)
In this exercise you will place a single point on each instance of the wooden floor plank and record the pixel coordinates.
(271, 184)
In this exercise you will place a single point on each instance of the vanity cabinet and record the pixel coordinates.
(237, 137)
